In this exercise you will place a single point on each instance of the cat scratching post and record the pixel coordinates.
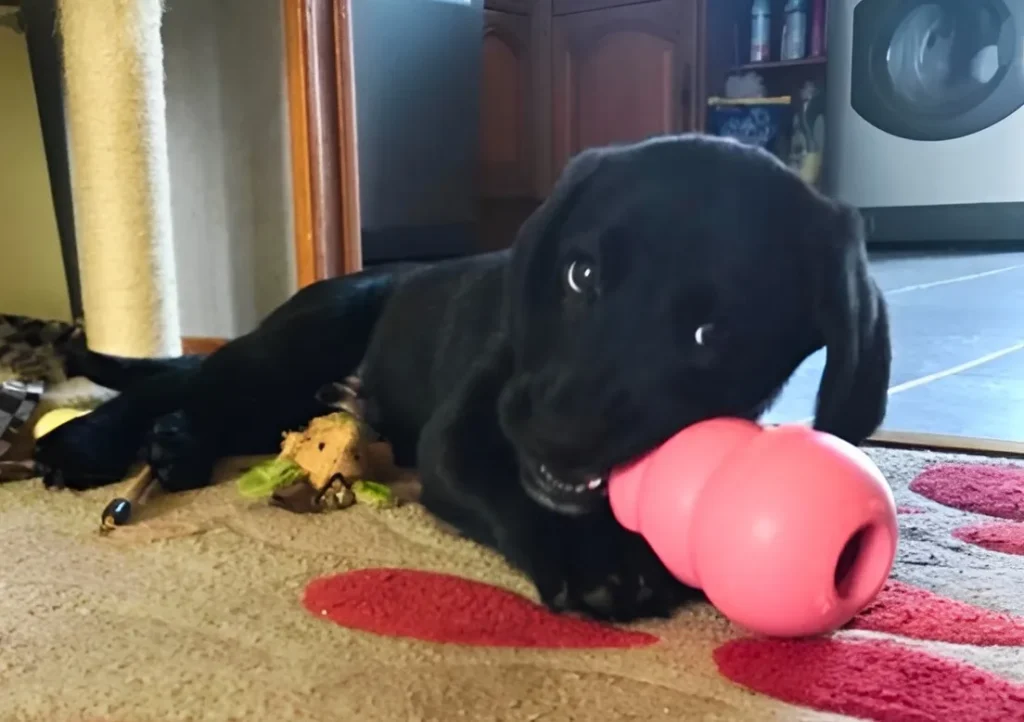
(114, 78)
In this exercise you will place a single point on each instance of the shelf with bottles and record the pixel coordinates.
(778, 101)
(781, 34)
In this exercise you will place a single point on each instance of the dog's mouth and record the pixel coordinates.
(563, 492)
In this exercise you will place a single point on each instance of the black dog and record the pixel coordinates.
(662, 283)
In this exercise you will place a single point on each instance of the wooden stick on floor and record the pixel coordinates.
(119, 511)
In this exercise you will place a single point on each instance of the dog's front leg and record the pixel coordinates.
(587, 564)
(591, 564)
(469, 474)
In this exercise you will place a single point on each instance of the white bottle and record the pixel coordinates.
(760, 31)
(794, 31)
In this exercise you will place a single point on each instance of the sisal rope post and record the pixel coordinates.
(114, 85)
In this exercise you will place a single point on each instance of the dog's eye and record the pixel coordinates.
(702, 336)
(581, 276)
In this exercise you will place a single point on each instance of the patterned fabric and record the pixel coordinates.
(31, 358)
(18, 399)
(32, 349)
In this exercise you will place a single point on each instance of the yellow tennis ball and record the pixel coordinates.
(52, 419)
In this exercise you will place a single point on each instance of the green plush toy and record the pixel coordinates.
(266, 477)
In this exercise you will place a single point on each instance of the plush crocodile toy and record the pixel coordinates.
(327, 465)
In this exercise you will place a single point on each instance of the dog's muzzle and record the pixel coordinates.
(565, 493)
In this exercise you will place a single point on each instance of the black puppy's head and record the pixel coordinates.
(672, 281)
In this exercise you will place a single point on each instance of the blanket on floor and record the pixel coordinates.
(212, 607)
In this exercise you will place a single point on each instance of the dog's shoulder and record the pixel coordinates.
(451, 288)
(454, 272)
(436, 324)
(447, 305)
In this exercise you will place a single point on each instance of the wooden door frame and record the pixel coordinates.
(322, 131)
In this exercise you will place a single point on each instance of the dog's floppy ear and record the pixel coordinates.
(530, 244)
(852, 320)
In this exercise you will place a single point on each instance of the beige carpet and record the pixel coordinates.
(195, 613)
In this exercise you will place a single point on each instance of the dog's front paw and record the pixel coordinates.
(178, 456)
(606, 572)
(83, 454)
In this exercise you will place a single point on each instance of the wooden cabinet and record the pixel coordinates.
(514, 99)
(505, 110)
(622, 74)
(560, 76)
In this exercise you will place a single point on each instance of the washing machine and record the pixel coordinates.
(925, 117)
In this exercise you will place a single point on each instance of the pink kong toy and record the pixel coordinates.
(789, 531)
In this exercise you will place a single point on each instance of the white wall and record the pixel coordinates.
(228, 143)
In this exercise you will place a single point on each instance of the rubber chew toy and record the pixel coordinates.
(788, 531)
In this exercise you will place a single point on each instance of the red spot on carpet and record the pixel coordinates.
(443, 608)
(875, 680)
(911, 612)
(909, 510)
(992, 490)
(1005, 537)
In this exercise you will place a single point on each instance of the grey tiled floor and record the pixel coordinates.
(947, 310)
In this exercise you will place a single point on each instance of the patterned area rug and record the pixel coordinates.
(216, 608)
(32, 349)
(33, 381)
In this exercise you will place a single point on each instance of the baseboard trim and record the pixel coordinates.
(967, 222)
(202, 345)
(944, 442)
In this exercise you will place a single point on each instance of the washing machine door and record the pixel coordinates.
(937, 69)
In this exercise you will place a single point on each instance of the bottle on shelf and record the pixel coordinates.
(818, 28)
(794, 31)
(760, 31)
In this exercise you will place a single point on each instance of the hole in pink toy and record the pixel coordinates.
(851, 561)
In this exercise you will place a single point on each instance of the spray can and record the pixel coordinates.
(818, 28)
(794, 31)
(760, 31)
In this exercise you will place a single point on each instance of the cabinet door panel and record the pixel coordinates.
(622, 74)
(505, 150)
(624, 89)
